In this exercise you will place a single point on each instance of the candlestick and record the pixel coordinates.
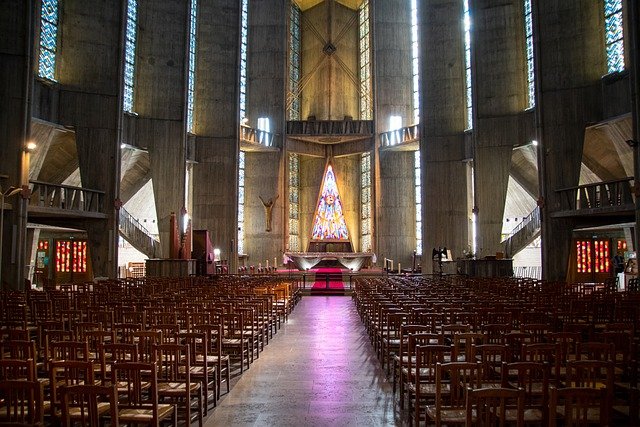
(399, 269)
(275, 262)
(267, 263)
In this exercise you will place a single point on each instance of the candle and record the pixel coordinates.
(259, 265)
(267, 263)
(275, 261)
(399, 269)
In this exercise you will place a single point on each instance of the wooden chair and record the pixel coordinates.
(17, 369)
(491, 407)
(201, 367)
(597, 374)
(452, 381)
(533, 378)
(64, 373)
(138, 401)
(21, 403)
(146, 340)
(174, 378)
(234, 341)
(421, 374)
(215, 355)
(87, 405)
(577, 406)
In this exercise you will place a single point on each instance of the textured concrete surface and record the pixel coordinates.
(319, 370)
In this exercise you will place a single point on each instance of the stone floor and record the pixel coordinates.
(319, 370)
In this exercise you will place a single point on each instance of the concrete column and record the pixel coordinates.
(445, 207)
(16, 31)
(499, 68)
(160, 102)
(570, 63)
(266, 87)
(395, 231)
(216, 125)
(90, 101)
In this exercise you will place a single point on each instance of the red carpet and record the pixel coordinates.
(321, 280)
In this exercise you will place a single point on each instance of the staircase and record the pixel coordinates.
(522, 235)
(138, 236)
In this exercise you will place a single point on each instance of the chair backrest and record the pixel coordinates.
(578, 405)
(495, 406)
(83, 405)
(173, 362)
(64, 373)
(459, 376)
(17, 369)
(21, 403)
(139, 384)
(533, 378)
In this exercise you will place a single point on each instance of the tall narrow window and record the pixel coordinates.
(48, 39)
(528, 35)
(365, 202)
(294, 62)
(418, 185)
(614, 36)
(130, 54)
(364, 31)
(244, 34)
(467, 62)
(415, 60)
(192, 63)
(264, 128)
(294, 202)
(241, 170)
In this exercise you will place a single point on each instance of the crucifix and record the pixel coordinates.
(268, 208)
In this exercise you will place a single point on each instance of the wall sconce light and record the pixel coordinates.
(30, 147)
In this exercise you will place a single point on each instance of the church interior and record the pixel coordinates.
(232, 183)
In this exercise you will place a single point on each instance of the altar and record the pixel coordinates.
(354, 261)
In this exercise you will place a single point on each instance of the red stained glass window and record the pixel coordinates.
(43, 245)
(71, 256)
(583, 255)
(622, 245)
(602, 252)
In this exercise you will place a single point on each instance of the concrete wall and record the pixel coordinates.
(90, 102)
(160, 101)
(445, 208)
(266, 88)
(215, 192)
(15, 29)
(571, 62)
(395, 222)
(330, 94)
(499, 74)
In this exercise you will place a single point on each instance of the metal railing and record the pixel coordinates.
(250, 135)
(523, 233)
(400, 136)
(66, 197)
(136, 234)
(601, 195)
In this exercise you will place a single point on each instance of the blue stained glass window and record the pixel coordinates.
(130, 55)
(192, 63)
(418, 196)
(48, 39)
(528, 34)
(244, 32)
(241, 174)
(294, 63)
(614, 35)
(365, 202)
(415, 63)
(467, 56)
(294, 204)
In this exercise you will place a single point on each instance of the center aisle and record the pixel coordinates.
(319, 370)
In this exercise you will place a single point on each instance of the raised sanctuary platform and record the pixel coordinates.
(351, 260)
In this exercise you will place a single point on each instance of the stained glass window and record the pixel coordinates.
(614, 35)
(43, 245)
(365, 202)
(593, 256)
(329, 222)
(602, 252)
(467, 62)
(130, 54)
(192, 63)
(244, 34)
(71, 256)
(528, 34)
(294, 202)
(583, 256)
(48, 39)
(241, 170)
(418, 185)
(415, 60)
(364, 34)
(294, 62)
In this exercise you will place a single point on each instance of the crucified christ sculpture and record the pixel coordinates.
(268, 207)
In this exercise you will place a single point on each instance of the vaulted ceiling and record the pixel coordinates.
(308, 4)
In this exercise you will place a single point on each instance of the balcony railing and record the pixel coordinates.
(136, 234)
(400, 136)
(67, 198)
(253, 136)
(603, 196)
(330, 127)
(523, 233)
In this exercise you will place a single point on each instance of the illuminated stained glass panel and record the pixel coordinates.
(467, 56)
(294, 62)
(364, 33)
(622, 245)
(528, 33)
(329, 222)
(602, 256)
(192, 64)
(583, 256)
(130, 54)
(43, 245)
(48, 39)
(294, 202)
